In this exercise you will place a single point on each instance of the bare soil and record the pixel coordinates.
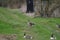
(8, 37)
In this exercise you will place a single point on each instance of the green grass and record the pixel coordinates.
(14, 22)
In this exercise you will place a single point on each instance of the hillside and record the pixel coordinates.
(14, 22)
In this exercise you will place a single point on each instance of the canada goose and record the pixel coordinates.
(52, 37)
(30, 23)
(27, 36)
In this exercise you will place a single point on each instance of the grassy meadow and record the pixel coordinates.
(14, 22)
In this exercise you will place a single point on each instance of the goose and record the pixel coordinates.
(30, 23)
(27, 36)
(52, 37)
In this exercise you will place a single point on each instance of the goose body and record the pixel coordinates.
(28, 37)
(53, 38)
